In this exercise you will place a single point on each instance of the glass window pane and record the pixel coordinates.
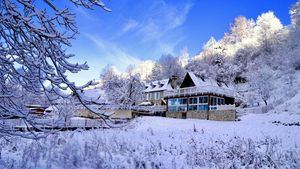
(182, 108)
(172, 102)
(203, 107)
(193, 100)
(214, 102)
(182, 100)
(205, 99)
(192, 107)
(172, 108)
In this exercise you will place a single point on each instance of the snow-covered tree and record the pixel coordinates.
(295, 30)
(201, 69)
(209, 49)
(242, 29)
(121, 89)
(261, 78)
(156, 73)
(295, 14)
(34, 40)
(166, 67)
(268, 26)
(144, 68)
(183, 58)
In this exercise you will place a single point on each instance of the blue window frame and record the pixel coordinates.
(182, 100)
(177, 105)
(192, 107)
(203, 99)
(203, 107)
(182, 108)
(193, 100)
(172, 109)
(172, 102)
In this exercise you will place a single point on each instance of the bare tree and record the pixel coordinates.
(33, 55)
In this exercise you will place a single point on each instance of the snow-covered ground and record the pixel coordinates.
(157, 142)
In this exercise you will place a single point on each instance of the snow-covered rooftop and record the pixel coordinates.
(96, 95)
(158, 85)
(201, 82)
(202, 85)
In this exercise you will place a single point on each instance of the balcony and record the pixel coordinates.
(190, 91)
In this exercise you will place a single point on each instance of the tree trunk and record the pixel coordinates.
(266, 102)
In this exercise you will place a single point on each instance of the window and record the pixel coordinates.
(182, 108)
(192, 107)
(193, 100)
(177, 105)
(157, 95)
(203, 107)
(203, 99)
(182, 101)
(198, 103)
(172, 109)
(203, 103)
(214, 101)
(221, 101)
(147, 96)
(172, 102)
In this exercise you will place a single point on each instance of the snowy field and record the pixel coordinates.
(157, 142)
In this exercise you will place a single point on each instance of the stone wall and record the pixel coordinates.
(218, 115)
(196, 115)
(222, 115)
(174, 115)
(83, 112)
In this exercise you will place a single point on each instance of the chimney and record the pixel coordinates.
(174, 81)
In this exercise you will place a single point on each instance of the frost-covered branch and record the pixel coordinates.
(33, 57)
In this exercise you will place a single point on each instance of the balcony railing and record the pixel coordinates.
(198, 90)
(155, 108)
(226, 107)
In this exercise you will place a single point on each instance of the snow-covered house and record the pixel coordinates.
(201, 98)
(154, 92)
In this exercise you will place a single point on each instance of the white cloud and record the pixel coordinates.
(161, 24)
(82, 11)
(130, 25)
(112, 53)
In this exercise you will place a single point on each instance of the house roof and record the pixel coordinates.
(208, 84)
(158, 85)
(96, 95)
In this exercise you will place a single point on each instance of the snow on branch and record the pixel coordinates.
(33, 57)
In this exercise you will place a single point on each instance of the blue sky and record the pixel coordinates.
(138, 30)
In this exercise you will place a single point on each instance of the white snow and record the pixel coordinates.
(165, 143)
(158, 85)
